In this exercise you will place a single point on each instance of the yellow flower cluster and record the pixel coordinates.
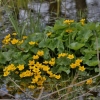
(7, 39)
(27, 73)
(36, 68)
(34, 71)
(13, 41)
(82, 21)
(50, 62)
(68, 21)
(62, 55)
(8, 69)
(69, 56)
(77, 64)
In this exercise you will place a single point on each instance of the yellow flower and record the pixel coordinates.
(70, 56)
(40, 83)
(6, 41)
(35, 70)
(24, 37)
(6, 73)
(77, 62)
(7, 36)
(27, 73)
(49, 33)
(45, 62)
(14, 41)
(20, 67)
(35, 57)
(31, 86)
(57, 76)
(40, 53)
(34, 80)
(82, 21)
(51, 63)
(50, 73)
(14, 34)
(69, 30)
(89, 81)
(73, 65)
(68, 21)
(10, 67)
(20, 42)
(39, 65)
(45, 68)
(31, 43)
(81, 68)
(62, 55)
(52, 59)
(31, 62)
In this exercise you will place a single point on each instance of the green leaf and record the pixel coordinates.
(52, 44)
(63, 61)
(16, 55)
(67, 71)
(60, 46)
(19, 61)
(2, 59)
(42, 44)
(63, 69)
(96, 44)
(46, 54)
(7, 55)
(92, 62)
(76, 45)
(96, 70)
(26, 56)
(34, 49)
(84, 35)
(59, 25)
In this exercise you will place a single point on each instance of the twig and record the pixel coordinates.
(68, 87)
(73, 81)
(86, 92)
(66, 94)
(21, 89)
(7, 93)
(40, 94)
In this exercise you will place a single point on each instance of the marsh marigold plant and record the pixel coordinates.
(60, 52)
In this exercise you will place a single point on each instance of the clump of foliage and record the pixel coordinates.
(61, 51)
